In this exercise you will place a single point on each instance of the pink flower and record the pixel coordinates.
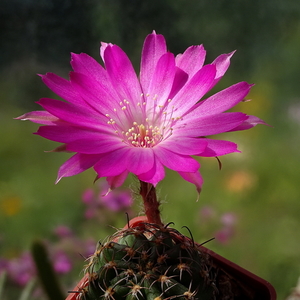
(118, 123)
(21, 269)
(3, 265)
(114, 200)
(63, 231)
(207, 212)
(62, 263)
(224, 235)
(228, 219)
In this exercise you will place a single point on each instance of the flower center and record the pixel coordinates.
(145, 136)
(141, 128)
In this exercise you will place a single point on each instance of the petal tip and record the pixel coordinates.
(58, 179)
(22, 118)
(231, 53)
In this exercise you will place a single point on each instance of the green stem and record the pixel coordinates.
(2, 281)
(151, 205)
(26, 293)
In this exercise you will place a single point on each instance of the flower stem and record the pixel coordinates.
(148, 193)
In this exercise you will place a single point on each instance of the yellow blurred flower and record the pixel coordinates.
(10, 205)
(240, 181)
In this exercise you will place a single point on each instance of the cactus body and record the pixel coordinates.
(148, 262)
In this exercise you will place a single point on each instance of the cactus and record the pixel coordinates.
(150, 262)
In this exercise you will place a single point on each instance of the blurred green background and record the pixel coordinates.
(260, 185)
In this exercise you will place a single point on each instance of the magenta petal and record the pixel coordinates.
(250, 122)
(191, 61)
(118, 180)
(103, 48)
(102, 144)
(140, 160)
(71, 113)
(180, 80)
(62, 88)
(122, 74)
(76, 164)
(220, 101)
(209, 125)
(66, 134)
(85, 64)
(175, 161)
(222, 63)
(40, 117)
(162, 81)
(218, 148)
(154, 47)
(193, 90)
(99, 95)
(194, 178)
(156, 174)
(112, 163)
(185, 145)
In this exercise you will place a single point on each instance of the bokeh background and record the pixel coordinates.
(251, 206)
